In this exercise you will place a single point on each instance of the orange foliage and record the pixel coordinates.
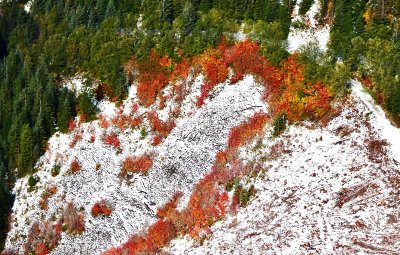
(247, 130)
(168, 209)
(161, 127)
(181, 70)
(156, 140)
(75, 140)
(297, 98)
(152, 79)
(41, 249)
(160, 234)
(245, 58)
(140, 164)
(75, 166)
(216, 70)
(103, 122)
(111, 139)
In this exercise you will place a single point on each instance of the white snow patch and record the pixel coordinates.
(75, 84)
(27, 6)
(389, 132)
(301, 37)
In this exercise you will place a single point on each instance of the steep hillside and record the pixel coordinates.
(330, 189)
(178, 164)
(199, 127)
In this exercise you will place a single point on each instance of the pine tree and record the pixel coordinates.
(111, 10)
(25, 162)
(167, 11)
(189, 18)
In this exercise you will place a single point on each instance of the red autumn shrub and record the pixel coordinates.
(297, 98)
(168, 209)
(71, 124)
(159, 234)
(41, 249)
(103, 122)
(140, 164)
(247, 130)
(153, 76)
(245, 58)
(73, 221)
(156, 140)
(112, 140)
(42, 237)
(181, 70)
(215, 69)
(100, 208)
(75, 166)
(75, 140)
(161, 127)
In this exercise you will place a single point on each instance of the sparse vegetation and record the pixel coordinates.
(55, 170)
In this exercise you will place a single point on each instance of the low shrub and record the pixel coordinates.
(73, 221)
(75, 166)
(140, 164)
(100, 208)
(112, 140)
(55, 170)
(279, 125)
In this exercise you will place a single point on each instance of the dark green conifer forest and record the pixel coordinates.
(58, 39)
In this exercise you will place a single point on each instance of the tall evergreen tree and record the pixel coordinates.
(25, 162)
(167, 11)
(189, 18)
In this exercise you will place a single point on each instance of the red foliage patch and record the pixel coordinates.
(297, 98)
(161, 127)
(75, 140)
(103, 122)
(75, 166)
(111, 139)
(41, 249)
(247, 130)
(43, 237)
(153, 76)
(71, 124)
(44, 200)
(140, 164)
(73, 221)
(245, 58)
(156, 140)
(100, 208)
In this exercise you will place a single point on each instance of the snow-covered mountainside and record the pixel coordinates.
(328, 186)
(326, 189)
(178, 164)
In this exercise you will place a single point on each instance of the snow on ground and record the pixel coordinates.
(28, 5)
(179, 162)
(75, 84)
(389, 132)
(299, 37)
(330, 189)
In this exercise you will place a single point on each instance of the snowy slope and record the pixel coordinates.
(330, 189)
(299, 37)
(179, 162)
